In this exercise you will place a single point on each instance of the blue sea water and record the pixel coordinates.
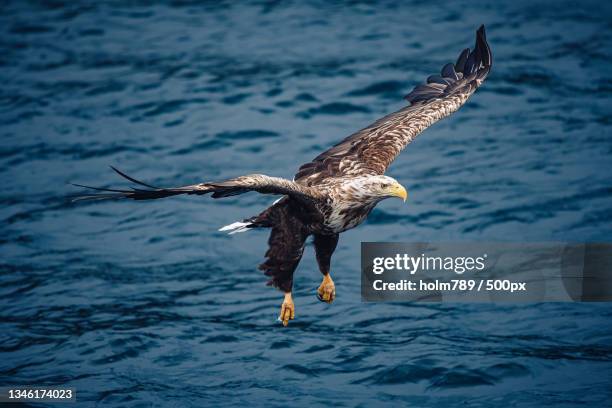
(139, 304)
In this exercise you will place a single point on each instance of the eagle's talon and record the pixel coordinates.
(287, 310)
(327, 291)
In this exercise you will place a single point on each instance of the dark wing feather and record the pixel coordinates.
(254, 182)
(286, 245)
(371, 150)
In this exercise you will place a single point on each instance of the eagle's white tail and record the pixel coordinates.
(236, 227)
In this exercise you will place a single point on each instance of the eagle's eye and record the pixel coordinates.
(385, 185)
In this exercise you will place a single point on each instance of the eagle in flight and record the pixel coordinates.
(337, 190)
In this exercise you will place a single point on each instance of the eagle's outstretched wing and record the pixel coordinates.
(371, 150)
(254, 182)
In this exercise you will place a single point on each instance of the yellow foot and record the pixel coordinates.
(327, 290)
(287, 310)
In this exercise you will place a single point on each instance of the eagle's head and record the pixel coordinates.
(377, 188)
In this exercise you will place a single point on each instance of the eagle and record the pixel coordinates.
(339, 188)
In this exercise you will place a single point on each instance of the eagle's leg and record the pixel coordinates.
(287, 310)
(324, 248)
(286, 247)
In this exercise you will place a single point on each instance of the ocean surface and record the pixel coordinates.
(139, 304)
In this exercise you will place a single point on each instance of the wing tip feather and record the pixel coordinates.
(477, 61)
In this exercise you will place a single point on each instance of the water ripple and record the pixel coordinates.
(139, 304)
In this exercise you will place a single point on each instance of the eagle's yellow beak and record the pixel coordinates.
(397, 190)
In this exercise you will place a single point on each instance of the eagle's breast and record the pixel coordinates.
(346, 209)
